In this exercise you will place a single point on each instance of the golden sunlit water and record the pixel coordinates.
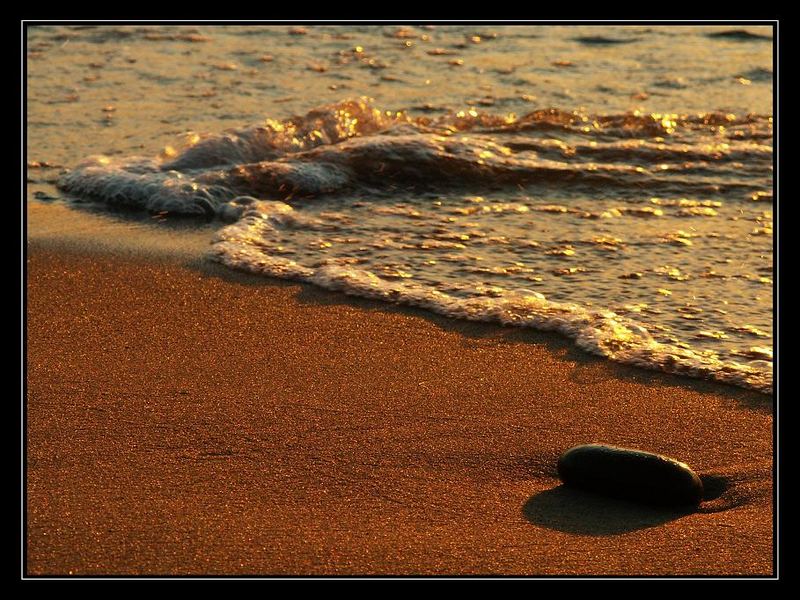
(610, 183)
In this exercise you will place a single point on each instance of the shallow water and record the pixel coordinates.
(611, 183)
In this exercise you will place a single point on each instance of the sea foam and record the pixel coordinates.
(465, 213)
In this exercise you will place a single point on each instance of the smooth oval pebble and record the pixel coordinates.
(630, 474)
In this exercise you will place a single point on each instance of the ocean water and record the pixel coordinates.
(613, 184)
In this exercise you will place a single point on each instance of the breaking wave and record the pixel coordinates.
(267, 180)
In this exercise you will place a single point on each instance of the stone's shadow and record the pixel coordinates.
(575, 511)
(714, 486)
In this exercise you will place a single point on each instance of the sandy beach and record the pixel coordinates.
(185, 419)
(215, 212)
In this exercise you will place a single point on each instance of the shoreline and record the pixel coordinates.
(141, 235)
(326, 434)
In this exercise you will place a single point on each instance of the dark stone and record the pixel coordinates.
(630, 474)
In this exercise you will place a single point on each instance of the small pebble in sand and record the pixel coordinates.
(630, 474)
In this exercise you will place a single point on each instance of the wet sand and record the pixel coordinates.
(185, 419)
